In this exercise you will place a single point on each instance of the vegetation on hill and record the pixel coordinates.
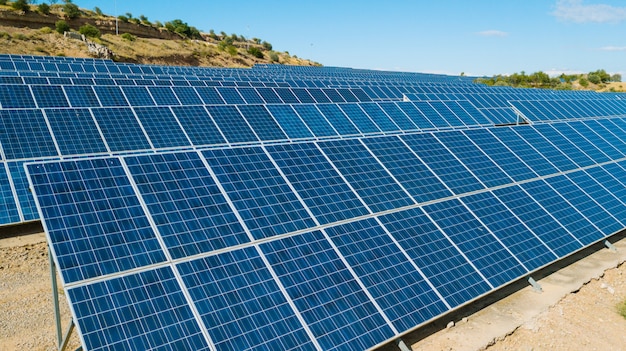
(597, 80)
(37, 27)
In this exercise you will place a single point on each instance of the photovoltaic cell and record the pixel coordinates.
(241, 305)
(188, 208)
(338, 119)
(138, 96)
(210, 96)
(49, 96)
(262, 122)
(81, 96)
(261, 195)
(144, 311)
(232, 124)
(161, 127)
(25, 134)
(164, 96)
(337, 310)
(8, 206)
(396, 285)
(110, 96)
(316, 122)
(116, 235)
(16, 96)
(187, 96)
(359, 118)
(198, 124)
(289, 121)
(75, 131)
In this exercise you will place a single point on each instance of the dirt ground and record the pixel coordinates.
(586, 319)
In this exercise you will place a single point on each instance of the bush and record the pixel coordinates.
(256, 52)
(43, 8)
(97, 11)
(122, 18)
(274, 56)
(231, 50)
(89, 31)
(129, 37)
(62, 26)
(3, 2)
(267, 46)
(45, 30)
(621, 309)
(20, 5)
(5, 35)
(71, 10)
(20, 36)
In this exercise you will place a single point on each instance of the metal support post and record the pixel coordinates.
(55, 300)
(610, 246)
(401, 345)
(535, 285)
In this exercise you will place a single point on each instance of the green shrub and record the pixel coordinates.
(97, 11)
(71, 10)
(45, 30)
(267, 46)
(122, 18)
(621, 309)
(274, 56)
(62, 26)
(256, 52)
(21, 5)
(3, 2)
(89, 31)
(129, 37)
(20, 36)
(43, 8)
(5, 35)
(231, 50)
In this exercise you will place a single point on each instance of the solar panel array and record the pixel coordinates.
(297, 207)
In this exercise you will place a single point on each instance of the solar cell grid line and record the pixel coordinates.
(617, 126)
(470, 112)
(360, 95)
(286, 95)
(251, 96)
(49, 96)
(75, 131)
(303, 95)
(603, 222)
(210, 96)
(232, 124)
(242, 305)
(427, 115)
(568, 147)
(478, 162)
(319, 96)
(398, 116)
(110, 96)
(415, 115)
(230, 95)
(448, 115)
(198, 125)
(317, 123)
(490, 257)
(610, 176)
(378, 116)
(262, 123)
(19, 181)
(535, 160)
(387, 272)
(500, 154)
(25, 134)
(369, 179)
(531, 251)
(138, 96)
(338, 119)
(189, 211)
(359, 118)
(164, 96)
(162, 127)
(264, 200)
(187, 96)
(119, 236)
(588, 141)
(289, 121)
(338, 311)
(347, 95)
(10, 211)
(328, 197)
(121, 129)
(551, 109)
(546, 148)
(567, 215)
(442, 162)
(16, 96)
(447, 269)
(599, 194)
(106, 313)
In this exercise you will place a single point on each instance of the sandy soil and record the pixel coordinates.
(585, 319)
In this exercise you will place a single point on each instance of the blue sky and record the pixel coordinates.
(477, 37)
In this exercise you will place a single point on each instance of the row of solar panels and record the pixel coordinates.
(333, 245)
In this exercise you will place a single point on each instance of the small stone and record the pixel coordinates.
(610, 290)
(464, 320)
(450, 325)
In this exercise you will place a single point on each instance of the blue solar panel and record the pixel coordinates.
(319, 96)
(338, 119)
(210, 96)
(262, 122)
(232, 124)
(269, 96)
(316, 122)
(8, 206)
(241, 305)
(317, 182)
(366, 175)
(187, 96)
(166, 320)
(230, 95)
(118, 236)
(379, 117)
(397, 116)
(23, 191)
(81, 96)
(287, 96)
(164, 96)
(417, 116)
(303, 95)
(402, 292)
(538, 163)
(138, 96)
(190, 212)
(75, 131)
(162, 127)
(359, 118)
(198, 125)
(110, 96)
(337, 310)
(544, 146)
(121, 129)
(251, 96)
(446, 268)
(16, 96)
(269, 207)
(49, 96)
(25, 134)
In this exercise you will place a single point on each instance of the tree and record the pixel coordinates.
(89, 31)
(44, 8)
(97, 11)
(256, 52)
(122, 18)
(3, 2)
(616, 77)
(267, 46)
(21, 5)
(274, 56)
(182, 28)
(129, 37)
(70, 10)
(62, 26)
(594, 78)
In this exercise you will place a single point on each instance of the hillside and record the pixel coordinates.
(34, 33)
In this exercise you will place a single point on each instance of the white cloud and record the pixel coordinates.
(613, 48)
(493, 33)
(576, 11)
